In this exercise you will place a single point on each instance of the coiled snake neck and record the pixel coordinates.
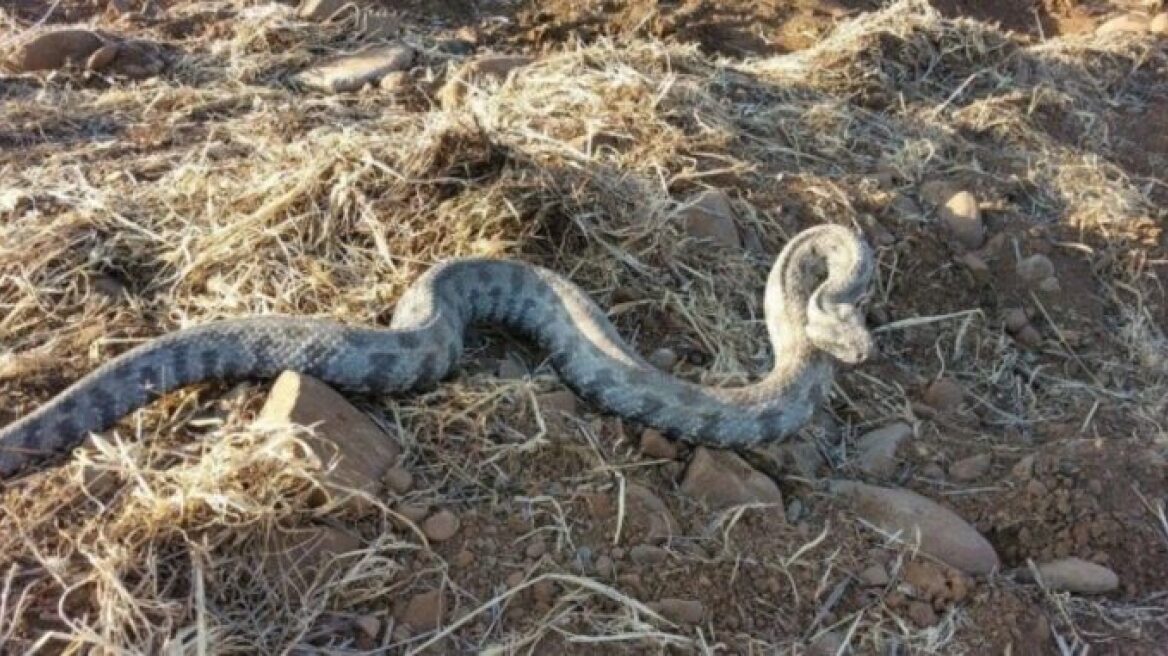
(812, 314)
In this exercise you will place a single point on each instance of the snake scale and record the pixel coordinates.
(811, 308)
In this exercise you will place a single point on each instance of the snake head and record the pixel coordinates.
(840, 331)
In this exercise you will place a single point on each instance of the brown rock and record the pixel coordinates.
(1050, 285)
(440, 526)
(1015, 319)
(649, 508)
(976, 266)
(937, 192)
(487, 68)
(682, 611)
(369, 625)
(399, 479)
(971, 468)
(663, 358)
(710, 216)
(57, 49)
(536, 549)
(1078, 576)
(945, 395)
(424, 611)
(799, 456)
(559, 402)
(605, 566)
(876, 450)
(656, 445)
(1029, 337)
(942, 534)
(922, 614)
(874, 576)
(721, 479)
(351, 72)
(962, 217)
(414, 512)
(1035, 269)
(362, 452)
(645, 554)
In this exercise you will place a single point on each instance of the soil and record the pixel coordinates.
(1087, 481)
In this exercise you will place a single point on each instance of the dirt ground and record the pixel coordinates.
(521, 520)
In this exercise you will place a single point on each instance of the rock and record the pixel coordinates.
(1078, 576)
(874, 576)
(343, 436)
(399, 479)
(424, 611)
(645, 554)
(1029, 337)
(656, 445)
(320, 10)
(876, 450)
(351, 72)
(514, 580)
(57, 49)
(509, 369)
(945, 395)
(721, 479)
(942, 534)
(710, 216)
(1035, 269)
(1015, 319)
(663, 358)
(799, 456)
(414, 512)
(1130, 23)
(559, 402)
(642, 504)
(961, 215)
(1024, 468)
(395, 82)
(536, 549)
(827, 644)
(682, 611)
(605, 566)
(483, 69)
(369, 625)
(971, 468)
(976, 266)
(301, 555)
(1159, 23)
(922, 614)
(440, 526)
(464, 558)
(936, 192)
(1049, 286)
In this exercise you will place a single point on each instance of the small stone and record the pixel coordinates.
(1078, 576)
(656, 445)
(395, 82)
(933, 471)
(971, 468)
(961, 215)
(721, 479)
(488, 68)
(1049, 286)
(1131, 23)
(604, 566)
(685, 611)
(937, 192)
(876, 450)
(413, 512)
(424, 611)
(358, 450)
(560, 401)
(874, 576)
(647, 554)
(649, 508)
(369, 625)
(57, 49)
(536, 549)
(319, 10)
(945, 395)
(922, 614)
(1034, 269)
(399, 479)
(544, 592)
(464, 558)
(827, 644)
(711, 217)
(1159, 23)
(1024, 468)
(663, 358)
(300, 555)
(514, 580)
(1029, 337)
(942, 534)
(440, 526)
(976, 266)
(351, 72)
(509, 369)
(1015, 319)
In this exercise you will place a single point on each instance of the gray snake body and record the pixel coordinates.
(811, 308)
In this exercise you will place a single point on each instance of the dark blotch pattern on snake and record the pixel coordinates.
(812, 314)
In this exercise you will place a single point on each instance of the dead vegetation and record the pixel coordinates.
(218, 190)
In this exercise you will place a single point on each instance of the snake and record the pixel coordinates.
(812, 310)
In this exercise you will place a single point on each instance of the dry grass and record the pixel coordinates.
(217, 191)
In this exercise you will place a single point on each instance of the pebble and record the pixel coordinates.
(721, 479)
(352, 72)
(933, 471)
(686, 611)
(1024, 468)
(424, 611)
(877, 449)
(1079, 576)
(560, 401)
(945, 395)
(514, 580)
(1049, 286)
(961, 215)
(369, 625)
(399, 479)
(1034, 269)
(464, 558)
(646, 554)
(971, 468)
(1029, 337)
(646, 506)
(827, 644)
(922, 614)
(536, 549)
(710, 216)
(57, 49)
(604, 566)
(976, 266)
(943, 534)
(663, 358)
(1015, 319)
(544, 592)
(656, 445)
(874, 576)
(440, 526)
